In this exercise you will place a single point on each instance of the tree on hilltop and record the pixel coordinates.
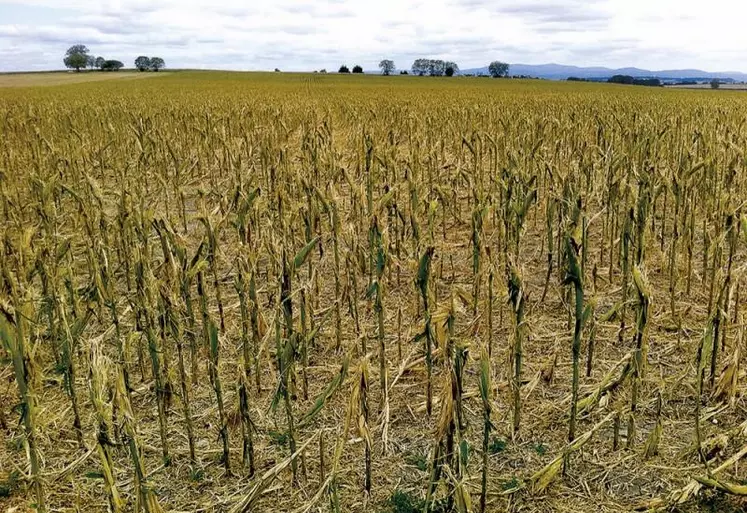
(143, 63)
(434, 67)
(387, 67)
(156, 63)
(112, 65)
(498, 69)
(76, 57)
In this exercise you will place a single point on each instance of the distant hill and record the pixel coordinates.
(561, 72)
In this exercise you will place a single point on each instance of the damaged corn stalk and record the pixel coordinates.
(641, 347)
(486, 392)
(422, 280)
(13, 331)
(517, 300)
(98, 370)
(376, 292)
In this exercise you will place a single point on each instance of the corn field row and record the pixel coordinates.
(230, 293)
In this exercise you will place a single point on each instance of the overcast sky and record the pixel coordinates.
(313, 34)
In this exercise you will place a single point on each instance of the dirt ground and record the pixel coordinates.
(599, 478)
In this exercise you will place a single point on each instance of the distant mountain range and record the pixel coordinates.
(561, 72)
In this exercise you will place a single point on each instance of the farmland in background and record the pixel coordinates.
(64, 78)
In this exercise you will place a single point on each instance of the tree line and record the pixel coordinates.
(345, 69)
(628, 80)
(434, 68)
(439, 68)
(79, 57)
(144, 63)
(428, 67)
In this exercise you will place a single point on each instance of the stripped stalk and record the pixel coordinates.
(517, 298)
(173, 320)
(376, 291)
(15, 342)
(246, 368)
(71, 335)
(99, 390)
(574, 276)
(146, 497)
(486, 392)
(641, 343)
(212, 258)
(626, 239)
(144, 282)
(424, 271)
(215, 381)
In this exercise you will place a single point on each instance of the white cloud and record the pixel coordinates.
(310, 34)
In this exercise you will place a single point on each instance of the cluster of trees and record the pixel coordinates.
(144, 63)
(111, 65)
(628, 80)
(439, 68)
(434, 68)
(387, 67)
(498, 69)
(345, 69)
(79, 57)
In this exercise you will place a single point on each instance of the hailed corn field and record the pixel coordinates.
(305, 293)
